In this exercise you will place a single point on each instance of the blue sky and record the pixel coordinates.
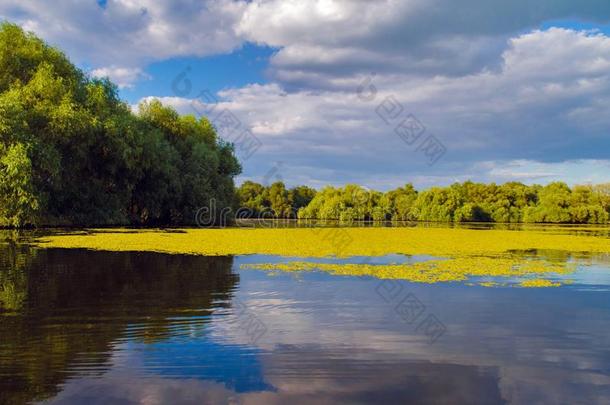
(498, 91)
(245, 65)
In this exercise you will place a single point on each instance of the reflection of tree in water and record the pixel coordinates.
(562, 256)
(13, 279)
(59, 308)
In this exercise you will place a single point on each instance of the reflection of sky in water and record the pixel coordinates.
(594, 276)
(590, 272)
(328, 339)
(385, 259)
(334, 339)
(236, 366)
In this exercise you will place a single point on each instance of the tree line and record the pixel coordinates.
(73, 153)
(461, 202)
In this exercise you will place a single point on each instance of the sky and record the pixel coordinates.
(378, 93)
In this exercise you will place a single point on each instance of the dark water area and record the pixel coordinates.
(84, 327)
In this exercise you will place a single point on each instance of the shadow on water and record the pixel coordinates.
(62, 311)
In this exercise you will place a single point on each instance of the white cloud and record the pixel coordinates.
(481, 77)
(123, 77)
(321, 41)
(328, 38)
(128, 34)
(516, 113)
(580, 171)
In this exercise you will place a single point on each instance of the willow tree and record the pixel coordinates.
(72, 152)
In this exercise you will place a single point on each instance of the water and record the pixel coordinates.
(82, 327)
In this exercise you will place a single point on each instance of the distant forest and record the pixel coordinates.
(73, 153)
(465, 202)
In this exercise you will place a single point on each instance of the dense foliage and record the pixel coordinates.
(465, 202)
(71, 152)
(274, 201)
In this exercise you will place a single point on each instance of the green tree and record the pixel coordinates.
(436, 204)
(73, 153)
(301, 196)
(254, 197)
(18, 202)
(280, 201)
(553, 205)
(401, 202)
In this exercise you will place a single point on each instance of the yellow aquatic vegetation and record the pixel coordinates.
(433, 271)
(539, 283)
(488, 284)
(463, 253)
(324, 242)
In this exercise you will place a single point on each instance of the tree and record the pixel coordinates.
(553, 206)
(401, 202)
(465, 202)
(587, 206)
(18, 202)
(436, 204)
(301, 196)
(471, 212)
(254, 197)
(73, 153)
(280, 201)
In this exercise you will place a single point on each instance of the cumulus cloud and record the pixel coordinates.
(328, 38)
(127, 34)
(548, 102)
(123, 77)
(484, 78)
(321, 41)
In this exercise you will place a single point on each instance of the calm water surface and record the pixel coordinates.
(82, 327)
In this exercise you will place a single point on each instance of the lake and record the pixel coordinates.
(81, 326)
